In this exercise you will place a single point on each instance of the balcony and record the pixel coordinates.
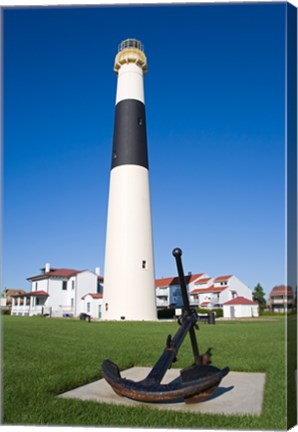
(162, 302)
(194, 301)
(281, 301)
(130, 43)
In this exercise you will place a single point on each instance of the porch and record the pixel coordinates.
(30, 304)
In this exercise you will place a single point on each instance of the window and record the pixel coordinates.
(64, 285)
(36, 286)
(88, 307)
(99, 288)
(72, 284)
(71, 303)
(144, 264)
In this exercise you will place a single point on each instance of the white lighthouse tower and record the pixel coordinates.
(129, 278)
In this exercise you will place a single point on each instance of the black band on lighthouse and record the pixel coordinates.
(130, 138)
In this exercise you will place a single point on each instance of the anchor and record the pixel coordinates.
(196, 383)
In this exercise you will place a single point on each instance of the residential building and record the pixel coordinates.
(7, 296)
(281, 299)
(204, 291)
(212, 293)
(57, 292)
(168, 292)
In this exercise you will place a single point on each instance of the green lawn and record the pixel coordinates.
(44, 357)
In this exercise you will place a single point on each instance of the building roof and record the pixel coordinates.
(32, 294)
(211, 289)
(60, 273)
(206, 303)
(13, 292)
(93, 295)
(240, 301)
(281, 290)
(196, 291)
(193, 277)
(202, 281)
(222, 278)
(39, 293)
(166, 282)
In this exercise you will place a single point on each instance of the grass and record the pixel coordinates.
(45, 357)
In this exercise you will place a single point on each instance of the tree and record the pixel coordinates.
(258, 295)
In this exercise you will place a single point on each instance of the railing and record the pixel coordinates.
(21, 310)
(160, 302)
(130, 43)
(279, 301)
(212, 303)
(25, 310)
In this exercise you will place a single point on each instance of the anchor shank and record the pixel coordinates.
(165, 360)
(194, 344)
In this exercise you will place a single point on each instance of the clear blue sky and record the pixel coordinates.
(214, 97)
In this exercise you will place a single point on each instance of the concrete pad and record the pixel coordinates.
(238, 393)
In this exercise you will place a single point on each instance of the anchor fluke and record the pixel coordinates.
(190, 384)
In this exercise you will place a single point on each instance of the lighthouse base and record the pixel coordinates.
(129, 281)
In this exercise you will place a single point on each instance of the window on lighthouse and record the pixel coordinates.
(144, 264)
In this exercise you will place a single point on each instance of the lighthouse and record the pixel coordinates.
(129, 277)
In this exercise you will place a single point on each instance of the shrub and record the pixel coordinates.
(5, 311)
(166, 313)
(270, 314)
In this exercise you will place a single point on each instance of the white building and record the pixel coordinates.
(58, 292)
(168, 292)
(204, 291)
(240, 307)
(281, 299)
(212, 293)
(92, 304)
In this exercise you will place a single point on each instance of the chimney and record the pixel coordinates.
(97, 271)
(47, 268)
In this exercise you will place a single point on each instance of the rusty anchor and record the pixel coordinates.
(196, 383)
